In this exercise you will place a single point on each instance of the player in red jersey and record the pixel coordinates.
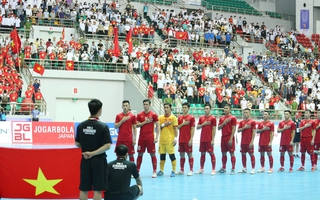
(316, 130)
(126, 122)
(266, 130)
(307, 140)
(207, 123)
(148, 122)
(227, 125)
(186, 124)
(248, 128)
(287, 128)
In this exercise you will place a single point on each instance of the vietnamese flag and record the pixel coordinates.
(70, 65)
(40, 173)
(116, 50)
(181, 35)
(204, 77)
(38, 68)
(16, 42)
(42, 55)
(129, 41)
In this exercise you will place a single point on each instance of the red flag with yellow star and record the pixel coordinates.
(40, 173)
(38, 68)
(182, 35)
(129, 41)
(70, 65)
(16, 42)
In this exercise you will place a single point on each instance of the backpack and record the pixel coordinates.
(5, 99)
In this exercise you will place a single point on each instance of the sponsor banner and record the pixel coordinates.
(5, 133)
(304, 19)
(53, 133)
(22, 133)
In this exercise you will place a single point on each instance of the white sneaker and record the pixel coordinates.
(252, 171)
(213, 172)
(244, 170)
(154, 175)
(261, 170)
(190, 173)
(200, 171)
(180, 173)
(232, 172)
(270, 171)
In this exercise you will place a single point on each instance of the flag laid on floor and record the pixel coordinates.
(38, 68)
(40, 173)
(116, 50)
(16, 42)
(70, 65)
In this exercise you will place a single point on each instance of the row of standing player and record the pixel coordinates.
(166, 127)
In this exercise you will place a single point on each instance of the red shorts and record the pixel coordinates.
(245, 148)
(284, 148)
(225, 144)
(184, 147)
(146, 144)
(129, 144)
(265, 148)
(317, 146)
(305, 145)
(206, 147)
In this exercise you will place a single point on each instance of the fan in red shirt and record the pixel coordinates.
(316, 129)
(186, 124)
(307, 140)
(126, 122)
(287, 128)
(248, 128)
(266, 130)
(227, 125)
(13, 101)
(207, 123)
(148, 122)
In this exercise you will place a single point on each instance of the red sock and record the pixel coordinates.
(291, 161)
(282, 161)
(213, 161)
(244, 161)
(154, 163)
(262, 159)
(202, 160)
(312, 160)
(182, 161)
(233, 161)
(224, 162)
(303, 159)
(253, 162)
(271, 161)
(315, 159)
(131, 158)
(139, 161)
(191, 160)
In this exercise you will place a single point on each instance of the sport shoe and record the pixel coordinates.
(180, 173)
(301, 169)
(290, 170)
(222, 170)
(200, 171)
(313, 169)
(281, 169)
(270, 171)
(160, 173)
(232, 172)
(173, 174)
(261, 170)
(190, 173)
(244, 170)
(297, 156)
(252, 171)
(154, 175)
(213, 172)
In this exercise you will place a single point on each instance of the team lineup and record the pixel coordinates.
(170, 131)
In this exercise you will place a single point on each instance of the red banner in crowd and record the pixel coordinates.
(40, 173)
(182, 35)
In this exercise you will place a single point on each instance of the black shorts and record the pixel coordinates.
(133, 192)
(296, 138)
(93, 174)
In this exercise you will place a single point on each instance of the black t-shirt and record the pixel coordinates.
(119, 176)
(93, 134)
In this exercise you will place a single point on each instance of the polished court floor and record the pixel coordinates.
(279, 185)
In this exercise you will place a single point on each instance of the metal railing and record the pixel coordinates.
(21, 31)
(56, 22)
(25, 108)
(159, 2)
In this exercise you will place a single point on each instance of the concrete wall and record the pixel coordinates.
(43, 32)
(309, 6)
(265, 6)
(286, 7)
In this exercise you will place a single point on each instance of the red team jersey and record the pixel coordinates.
(125, 130)
(206, 131)
(286, 134)
(226, 129)
(265, 135)
(185, 134)
(314, 126)
(307, 132)
(147, 130)
(246, 135)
